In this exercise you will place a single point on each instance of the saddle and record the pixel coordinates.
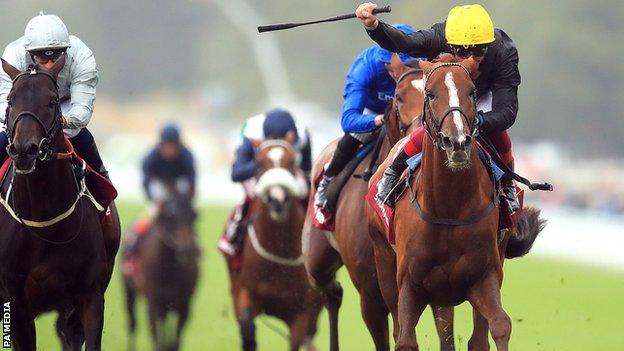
(324, 218)
(386, 213)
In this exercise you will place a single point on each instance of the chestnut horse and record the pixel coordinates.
(167, 270)
(350, 244)
(272, 278)
(448, 246)
(54, 252)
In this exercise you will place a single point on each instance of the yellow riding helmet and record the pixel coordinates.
(469, 25)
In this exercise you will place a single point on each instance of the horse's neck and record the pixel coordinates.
(448, 193)
(284, 235)
(46, 192)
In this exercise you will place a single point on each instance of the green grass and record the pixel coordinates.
(554, 306)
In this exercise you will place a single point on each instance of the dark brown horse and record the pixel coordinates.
(167, 271)
(55, 253)
(272, 278)
(350, 244)
(448, 248)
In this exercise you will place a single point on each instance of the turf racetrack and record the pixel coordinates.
(554, 306)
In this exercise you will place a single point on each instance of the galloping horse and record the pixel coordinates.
(272, 278)
(55, 253)
(167, 271)
(448, 247)
(351, 244)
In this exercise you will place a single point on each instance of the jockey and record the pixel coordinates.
(467, 31)
(368, 90)
(169, 162)
(275, 124)
(45, 40)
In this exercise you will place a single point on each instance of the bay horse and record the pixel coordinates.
(325, 252)
(272, 278)
(55, 253)
(167, 270)
(448, 247)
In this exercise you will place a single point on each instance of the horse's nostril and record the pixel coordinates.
(33, 150)
(446, 141)
(12, 150)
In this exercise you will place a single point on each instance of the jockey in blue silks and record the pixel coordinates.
(368, 90)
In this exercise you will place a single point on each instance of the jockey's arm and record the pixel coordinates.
(306, 156)
(504, 89)
(357, 85)
(83, 82)
(427, 42)
(189, 170)
(148, 173)
(244, 166)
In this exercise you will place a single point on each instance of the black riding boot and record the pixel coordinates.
(91, 155)
(345, 151)
(391, 177)
(509, 191)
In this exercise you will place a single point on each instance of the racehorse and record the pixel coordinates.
(167, 270)
(350, 244)
(448, 247)
(55, 253)
(272, 278)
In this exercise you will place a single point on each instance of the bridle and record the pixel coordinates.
(436, 124)
(46, 149)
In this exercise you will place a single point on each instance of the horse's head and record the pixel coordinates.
(450, 92)
(277, 172)
(408, 96)
(33, 116)
(175, 223)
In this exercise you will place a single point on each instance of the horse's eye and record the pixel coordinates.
(430, 94)
(399, 99)
(9, 102)
(53, 103)
(473, 93)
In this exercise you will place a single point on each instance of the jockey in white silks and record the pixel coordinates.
(45, 39)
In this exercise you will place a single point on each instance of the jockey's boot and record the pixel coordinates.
(509, 191)
(345, 151)
(91, 155)
(320, 198)
(231, 243)
(391, 177)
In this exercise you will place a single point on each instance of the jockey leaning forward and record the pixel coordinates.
(368, 91)
(274, 124)
(467, 31)
(45, 39)
(169, 163)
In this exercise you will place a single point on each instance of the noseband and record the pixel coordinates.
(436, 124)
(46, 151)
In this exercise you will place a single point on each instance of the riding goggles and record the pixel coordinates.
(475, 51)
(47, 55)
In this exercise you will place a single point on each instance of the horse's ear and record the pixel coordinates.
(426, 66)
(471, 65)
(290, 137)
(255, 142)
(9, 69)
(58, 66)
(395, 68)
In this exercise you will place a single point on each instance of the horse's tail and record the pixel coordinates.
(529, 226)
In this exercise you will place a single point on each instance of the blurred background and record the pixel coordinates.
(202, 64)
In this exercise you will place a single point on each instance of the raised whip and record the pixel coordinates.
(281, 26)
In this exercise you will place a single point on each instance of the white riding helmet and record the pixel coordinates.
(46, 32)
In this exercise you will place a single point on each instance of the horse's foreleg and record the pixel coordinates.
(479, 339)
(22, 328)
(130, 300)
(485, 298)
(443, 317)
(91, 307)
(245, 313)
(385, 265)
(183, 313)
(410, 307)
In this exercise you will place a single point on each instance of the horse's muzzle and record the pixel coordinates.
(24, 155)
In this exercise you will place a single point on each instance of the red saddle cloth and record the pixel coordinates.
(99, 186)
(386, 213)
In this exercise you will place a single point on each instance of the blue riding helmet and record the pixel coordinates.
(170, 133)
(277, 123)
